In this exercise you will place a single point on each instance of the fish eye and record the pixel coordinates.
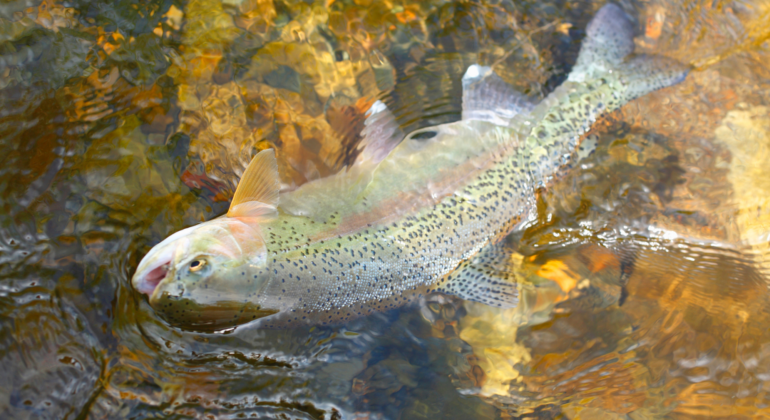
(197, 264)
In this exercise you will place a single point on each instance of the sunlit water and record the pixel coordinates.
(646, 292)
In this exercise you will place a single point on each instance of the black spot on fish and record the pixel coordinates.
(424, 135)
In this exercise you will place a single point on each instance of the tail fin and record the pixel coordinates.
(607, 51)
(647, 73)
(606, 76)
(609, 40)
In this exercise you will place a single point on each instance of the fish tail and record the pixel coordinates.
(606, 75)
(607, 53)
(647, 73)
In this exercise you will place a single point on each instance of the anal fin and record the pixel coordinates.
(490, 277)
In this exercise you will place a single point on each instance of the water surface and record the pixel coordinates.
(646, 292)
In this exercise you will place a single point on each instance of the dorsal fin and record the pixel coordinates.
(487, 97)
(381, 134)
(424, 168)
(257, 192)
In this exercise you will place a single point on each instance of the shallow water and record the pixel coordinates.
(646, 292)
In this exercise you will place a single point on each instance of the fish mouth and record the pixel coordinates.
(147, 279)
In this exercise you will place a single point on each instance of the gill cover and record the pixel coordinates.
(216, 272)
(211, 274)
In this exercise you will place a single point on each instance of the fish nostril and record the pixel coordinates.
(152, 279)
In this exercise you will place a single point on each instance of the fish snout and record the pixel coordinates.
(152, 271)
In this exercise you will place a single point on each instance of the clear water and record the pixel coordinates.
(122, 122)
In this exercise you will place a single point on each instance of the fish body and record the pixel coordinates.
(404, 220)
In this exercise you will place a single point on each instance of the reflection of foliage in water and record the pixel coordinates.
(662, 181)
(101, 103)
(122, 122)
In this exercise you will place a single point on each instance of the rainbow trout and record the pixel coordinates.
(413, 215)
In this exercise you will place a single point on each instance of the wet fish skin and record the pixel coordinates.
(389, 265)
(385, 248)
(211, 298)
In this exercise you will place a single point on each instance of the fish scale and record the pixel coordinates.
(413, 215)
(410, 258)
(389, 265)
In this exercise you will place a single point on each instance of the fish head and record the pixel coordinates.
(207, 277)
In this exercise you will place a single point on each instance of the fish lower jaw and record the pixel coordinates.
(148, 281)
(152, 270)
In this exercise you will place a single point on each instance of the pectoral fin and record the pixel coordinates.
(253, 209)
(257, 192)
(490, 277)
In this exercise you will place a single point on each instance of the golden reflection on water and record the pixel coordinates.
(122, 122)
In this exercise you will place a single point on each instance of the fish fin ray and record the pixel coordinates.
(253, 209)
(259, 183)
(491, 277)
(380, 135)
(647, 73)
(487, 97)
(609, 40)
(607, 75)
(609, 47)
